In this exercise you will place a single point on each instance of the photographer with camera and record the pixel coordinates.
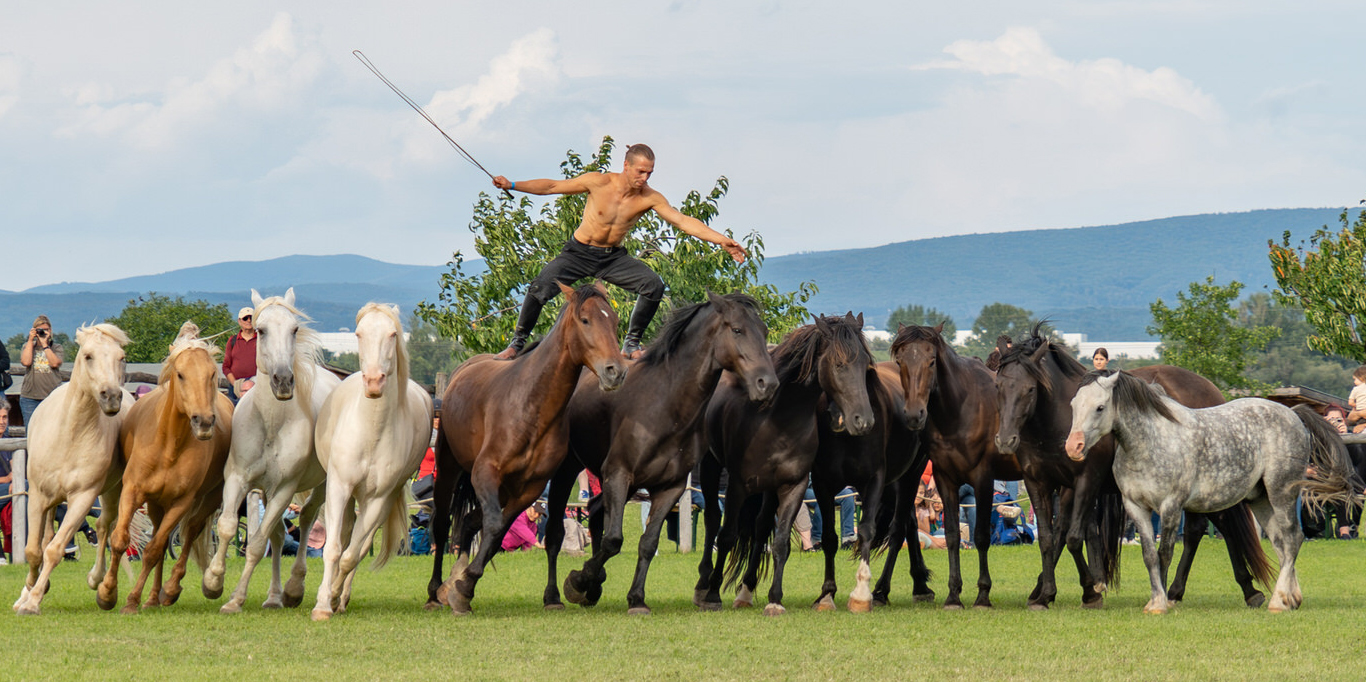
(42, 357)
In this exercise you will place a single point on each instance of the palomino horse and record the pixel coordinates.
(769, 449)
(1171, 457)
(954, 399)
(72, 445)
(1035, 386)
(504, 433)
(175, 443)
(272, 449)
(371, 435)
(650, 433)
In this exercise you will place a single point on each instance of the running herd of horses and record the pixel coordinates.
(1093, 449)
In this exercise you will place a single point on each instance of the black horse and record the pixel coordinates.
(768, 450)
(649, 433)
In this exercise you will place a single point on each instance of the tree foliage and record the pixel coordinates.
(1202, 334)
(479, 311)
(1327, 280)
(920, 315)
(428, 353)
(997, 319)
(1288, 360)
(153, 321)
(15, 346)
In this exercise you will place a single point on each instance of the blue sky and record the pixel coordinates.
(139, 140)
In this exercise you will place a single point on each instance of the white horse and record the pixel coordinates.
(71, 446)
(371, 435)
(272, 449)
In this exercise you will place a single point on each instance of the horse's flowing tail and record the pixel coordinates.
(1110, 505)
(1335, 480)
(738, 562)
(200, 548)
(1241, 533)
(395, 528)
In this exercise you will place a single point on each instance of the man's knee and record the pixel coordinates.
(543, 290)
(652, 289)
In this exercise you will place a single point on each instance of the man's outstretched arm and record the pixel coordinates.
(576, 185)
(690, 225)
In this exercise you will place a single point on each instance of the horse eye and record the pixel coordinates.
(737, 330)
(583, 320)
(1100, 409)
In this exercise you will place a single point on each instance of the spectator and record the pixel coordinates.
(42, 357)
(1356, 401)
(1006, 525)
(5, 379)
(521, 532)
(239, 360)
(1100, 359)
(317, 537)
(848, 504)
(929, 517)
(6, 477)
(1336, 418)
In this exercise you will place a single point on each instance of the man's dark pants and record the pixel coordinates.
(577, 261)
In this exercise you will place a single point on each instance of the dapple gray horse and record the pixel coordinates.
(1171, 458)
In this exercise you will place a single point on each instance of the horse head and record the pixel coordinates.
(277, 324)
(1093, 414)
(191, 378)
(740, 344)
(99, 369)
(381, 347)
(916, 350)
(842, 371)
(590, 332)
(1019, 381)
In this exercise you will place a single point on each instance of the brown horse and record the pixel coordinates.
(504, 434)
(175, 442)
(954, 400)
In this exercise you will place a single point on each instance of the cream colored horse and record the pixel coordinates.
(272, 449)
(72, 458)
(371, 435)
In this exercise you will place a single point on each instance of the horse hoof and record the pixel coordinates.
(169, 599)
(880, 602)
(1093, 604)
(741, 603)
(460, 604)
(860, 606)
(292, 601)
(1256, 600)
(27, 610)
(982, 607)
(230, 608)
(129, 610)
(925, 597)
(699, 597)
(211, 593)
(433, 605)
(638, 611)
(826, 603)
(774, 610)
(104, 604)
(709, 606)
(572, 593)
(272, 604)
(1037, 606)
(554, 606)
(1155, 610)
(320, 615)
(953, 607)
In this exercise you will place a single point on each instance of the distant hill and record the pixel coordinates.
(1097, 280)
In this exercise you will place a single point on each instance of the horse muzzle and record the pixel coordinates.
(611, 375)
(202, 427)
(282, 386)
(1007, 446)
(110, 401)
(763, 387)
(374, 384)
(1076, 446)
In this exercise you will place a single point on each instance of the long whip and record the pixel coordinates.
(461, 150)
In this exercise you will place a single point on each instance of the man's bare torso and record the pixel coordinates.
(612, 210)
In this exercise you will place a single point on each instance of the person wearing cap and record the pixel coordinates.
(521, 532)
(239, 359)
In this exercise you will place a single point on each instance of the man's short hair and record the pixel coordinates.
(1359, 373)
(637, 151)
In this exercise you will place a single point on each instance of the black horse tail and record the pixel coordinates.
(463, 502)
(746, 537)
(1245, 542)
(1112, 518)
(884, 523)
(1334, 479)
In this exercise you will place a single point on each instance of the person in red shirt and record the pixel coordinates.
(239, 360)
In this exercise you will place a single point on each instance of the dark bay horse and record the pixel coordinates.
(871, 463)
(1035, 386)
(952, 400)
(504, 433)
(649, 433)
(769, 449)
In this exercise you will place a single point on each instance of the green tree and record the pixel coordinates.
(995, 320)
(479, 311)
(922, 316)
(428, 353)
(152, 322)
(1327, 279)
(1202, 334)
(15, 346)
(1288, 360)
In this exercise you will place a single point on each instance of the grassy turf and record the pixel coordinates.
(386, 634)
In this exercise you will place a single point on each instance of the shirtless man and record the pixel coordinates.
(615, 202)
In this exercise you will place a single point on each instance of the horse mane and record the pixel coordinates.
(307, 351)
(1022, 353)
(795, 358)
(583, 293)
(915, 332)
(89, 333)
(187, 339)
(671, 338)
(400, 348)
(1136, 393)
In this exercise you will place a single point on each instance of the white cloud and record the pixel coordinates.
(10, 76)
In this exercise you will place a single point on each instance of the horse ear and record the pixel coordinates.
(256, 299)
(939, 329)
(1108, 382)
(822, 325)
(289, 297)
(900, 326)
(714, 299)
(1002, 346)
(856, 321)
(597, 284)
(565, 288)
(1040, 353)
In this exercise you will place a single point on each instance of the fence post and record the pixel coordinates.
(19, 503)
(685, 517)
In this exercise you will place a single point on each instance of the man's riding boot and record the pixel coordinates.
(640, 320)
(514, 348)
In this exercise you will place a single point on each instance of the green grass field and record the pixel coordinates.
(387, 635)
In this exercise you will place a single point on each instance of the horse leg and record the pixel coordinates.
(77, 506)
(108, 591)
(1141, 517)
(948, 492)
(234, 490)
(825, 500)
(156, 514)
(193, 528)
(165, 522)
(371, 514)
(486, 481)
(556, 503)
(1276, 514)
(1244, 544)
(275, 510)
(584, 586)
(443, 490)
(109, 514)
(1084, 541)
(1196, 525)
(336, 503)
(790, 504)
(1046, 590)
(984, 492)
(711, 518)
(861, 598)
(294, 589)
(40, 516)
(663, 501)
(896, 535)
(727, 536)
(760, 529)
